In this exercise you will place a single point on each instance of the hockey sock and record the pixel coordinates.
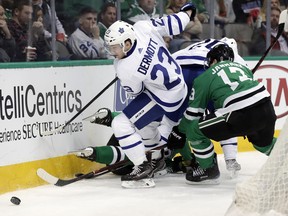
(108, 154)
(114, 114)
(266, 149)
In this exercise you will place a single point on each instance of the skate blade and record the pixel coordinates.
(92, 118)
(89, 118)
(160, 173)
(232, 174)
(80, 153)
(205, 182)
(143, 183)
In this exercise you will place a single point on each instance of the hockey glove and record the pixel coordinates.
(187, 7)
(176, 139)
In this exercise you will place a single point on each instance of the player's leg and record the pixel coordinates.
(110, 154)
(204, 169)
(151, 138)
(229, 148)
(263, 117)
(137, 115)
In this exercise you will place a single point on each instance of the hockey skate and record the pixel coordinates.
(233, 167)
(140, 177)
(87, 153)
(197, 175)
(159, 166)
(103, 116)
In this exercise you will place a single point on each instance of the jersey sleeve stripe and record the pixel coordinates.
(179, 23)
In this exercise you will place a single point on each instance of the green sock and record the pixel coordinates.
(267, 149)
(114, 114)
(104, 154)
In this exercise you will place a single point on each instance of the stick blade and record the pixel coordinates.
(43, 174)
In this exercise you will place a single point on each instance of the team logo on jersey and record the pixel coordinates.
(275, 79)
(121, 30)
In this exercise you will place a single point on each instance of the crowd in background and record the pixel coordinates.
(26, 26)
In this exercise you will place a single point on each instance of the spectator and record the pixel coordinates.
(141, 10)
(202, 13)
(106, 17)
(47, 19)
(191, 32)
(224, 12)
(274, 3)
(39, 41)
(258, 43)
(246, 11)
(85, 42)
(126, 6)
(7, 5)
(7, 42)
(144, 10)
(19, 27)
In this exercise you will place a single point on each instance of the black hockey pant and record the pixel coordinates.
(256, 122)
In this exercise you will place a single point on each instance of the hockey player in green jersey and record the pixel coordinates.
(242, 108)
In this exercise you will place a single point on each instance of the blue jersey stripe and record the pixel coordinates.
(131, 146)
(179, 22)
(191, 57)
(170, 25)
(123, 137)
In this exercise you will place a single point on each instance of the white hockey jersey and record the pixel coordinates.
(197, 52)
(86, 47)
(150, 67)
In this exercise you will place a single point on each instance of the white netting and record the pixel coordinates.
(266, 193)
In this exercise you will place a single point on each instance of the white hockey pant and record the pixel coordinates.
(135, 142)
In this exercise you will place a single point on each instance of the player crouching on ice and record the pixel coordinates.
(147, 72)
(169, 162)
(242, 105)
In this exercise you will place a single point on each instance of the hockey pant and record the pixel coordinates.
(143, 125)
(255, 122)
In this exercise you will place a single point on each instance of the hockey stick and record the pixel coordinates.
(281, 25)
(43, 174)
(46, 133)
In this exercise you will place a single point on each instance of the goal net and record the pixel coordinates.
(266, 193)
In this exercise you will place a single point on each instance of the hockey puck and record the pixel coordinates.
(15, 200)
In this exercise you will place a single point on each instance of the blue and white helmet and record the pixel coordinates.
(118, 33)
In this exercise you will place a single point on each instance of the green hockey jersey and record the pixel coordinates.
(229, 85)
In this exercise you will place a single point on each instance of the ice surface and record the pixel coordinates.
(103, 196)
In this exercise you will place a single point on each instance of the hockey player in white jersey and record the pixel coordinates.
(192, 59)
(148, 72)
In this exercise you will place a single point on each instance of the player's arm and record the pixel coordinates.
(198, 102)
(174, 24)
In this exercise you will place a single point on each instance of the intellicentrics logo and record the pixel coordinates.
(27, 102)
